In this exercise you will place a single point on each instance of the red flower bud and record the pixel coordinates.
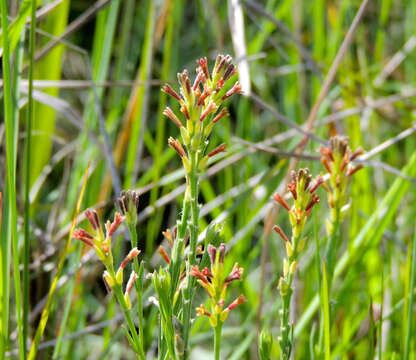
(235, 274)
(168, 90)
(196, 273)
(236, 89)
(292, 188)
(352, 171)
(357, 153)
(84, 236)
(130, 283)
(220, 115)
(171, 115)
(130, 256)
(240, 300)
(111, 228)
(217, 150)
(204, 66)
(163, 253)
(175, 144)
(325, 162)
(281, 201)
(281, 233)
(93, 218)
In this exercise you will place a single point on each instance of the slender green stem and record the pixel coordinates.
(286, 328)
(118, 292)
(29, 120)
(217, 339)
(138, 287)
(175, 268)
(194, 227)
(410, 309)
(285, 325)
(130, 323)
(11, 173)
(333, 244)
(193, 241)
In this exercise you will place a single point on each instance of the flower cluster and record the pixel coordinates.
(215, 283)
(302, 189)
(128, 202)
(337, 159)
(101, 243)
(200, 104)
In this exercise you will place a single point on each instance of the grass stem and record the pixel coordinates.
(11, 151)
(410, 309)
(29, 120)
(217, 340)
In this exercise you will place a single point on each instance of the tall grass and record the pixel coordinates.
(133, 48)
(10, 240)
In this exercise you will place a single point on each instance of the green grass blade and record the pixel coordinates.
(4, 279)
(154, 226)
(44, 116)
(29, 120)
(17, 26)
(47, 308)
(410, 308)
(371, 331)
(69, 298)
(144, 76)
(11, 151)
(327, 315)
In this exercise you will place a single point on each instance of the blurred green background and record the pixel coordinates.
(97, 99)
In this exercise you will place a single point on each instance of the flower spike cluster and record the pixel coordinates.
(200, 106)
(101, 243)
(303, 191)
(128, 202)
(337, 159)
(215, 282)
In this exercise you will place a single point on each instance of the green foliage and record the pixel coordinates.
(130, 49)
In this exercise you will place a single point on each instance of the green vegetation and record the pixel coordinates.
(314, 118)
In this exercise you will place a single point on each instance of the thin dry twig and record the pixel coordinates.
(285, 120)
(83, 84)
(395, 61)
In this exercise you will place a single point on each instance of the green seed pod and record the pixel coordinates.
(119, 276)
(185, 136)
(195, 142)
(128, 302)
(186, 165)
(203, 163)
(208, 129)
(108, 279)
(224, 315)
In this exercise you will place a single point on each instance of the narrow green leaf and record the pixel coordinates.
(327, 315)
(144, 76)
(45, 313)
(17, 26)
(29, 120)
(410, 309)
(11, 238)
(371, 332)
